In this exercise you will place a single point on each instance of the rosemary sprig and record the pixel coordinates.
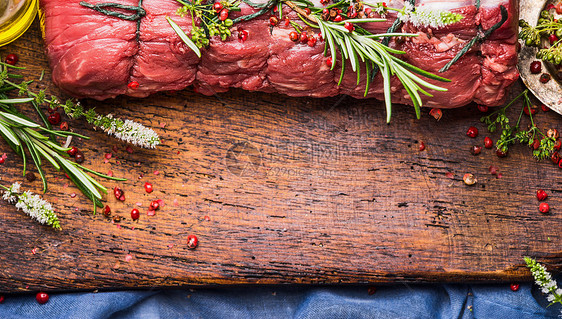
(127, 131)
(360, 47)
(25, 136)
(513, 134)
(356, 45)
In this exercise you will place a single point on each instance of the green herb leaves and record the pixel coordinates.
(363, 51)
(547, 26)
(27, 137)
(184, 37)
(513, 134)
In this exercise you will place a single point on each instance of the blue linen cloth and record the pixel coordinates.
(396, 301)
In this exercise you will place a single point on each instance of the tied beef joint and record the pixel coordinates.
(96, 56)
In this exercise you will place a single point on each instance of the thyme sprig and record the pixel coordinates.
(513, 134)
(25, 136)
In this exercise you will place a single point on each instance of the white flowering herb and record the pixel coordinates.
(127, 131)
(27, 137)
(544, 280)
(427, 17)
(31, 204)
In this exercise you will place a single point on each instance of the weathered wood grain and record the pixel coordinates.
(297, 191)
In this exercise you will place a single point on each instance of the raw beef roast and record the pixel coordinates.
(95, 55)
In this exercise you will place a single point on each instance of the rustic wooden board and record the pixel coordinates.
(297, 191)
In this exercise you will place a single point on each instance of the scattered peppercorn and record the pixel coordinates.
(148, 187)
(545, 77)
(135, 214)
(530, 110)
(30, 176)
(42, 297)
(223, 15)
(12, 59)
(107, 211)
(501, 153)
(488, 143)
(294, 36)
(217, 6)
(54, 118)
(242, 35)
(79, 157)
(349, 26)
(119, 193)
(553, 133)
(482, 108)
(541, 195)
(133, 85)
(73, 151)
(469, 179)
(536, 144)
(273, 21)
(154, 205)
(116, 219)
(544, 208)
(536, 67)
(475, 150)
(192, 241)
(514, 287)
(422, 147)
(472, 132)
(436, 113)
(304, 37)
(311, 41)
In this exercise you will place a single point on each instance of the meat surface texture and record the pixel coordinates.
(96, 56)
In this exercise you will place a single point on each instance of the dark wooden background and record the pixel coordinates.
(297, 191)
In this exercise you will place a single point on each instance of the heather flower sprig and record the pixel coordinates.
(544, 280)
(31, 204)
(127, 131)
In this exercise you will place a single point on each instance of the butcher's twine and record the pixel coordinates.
(108, 8)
